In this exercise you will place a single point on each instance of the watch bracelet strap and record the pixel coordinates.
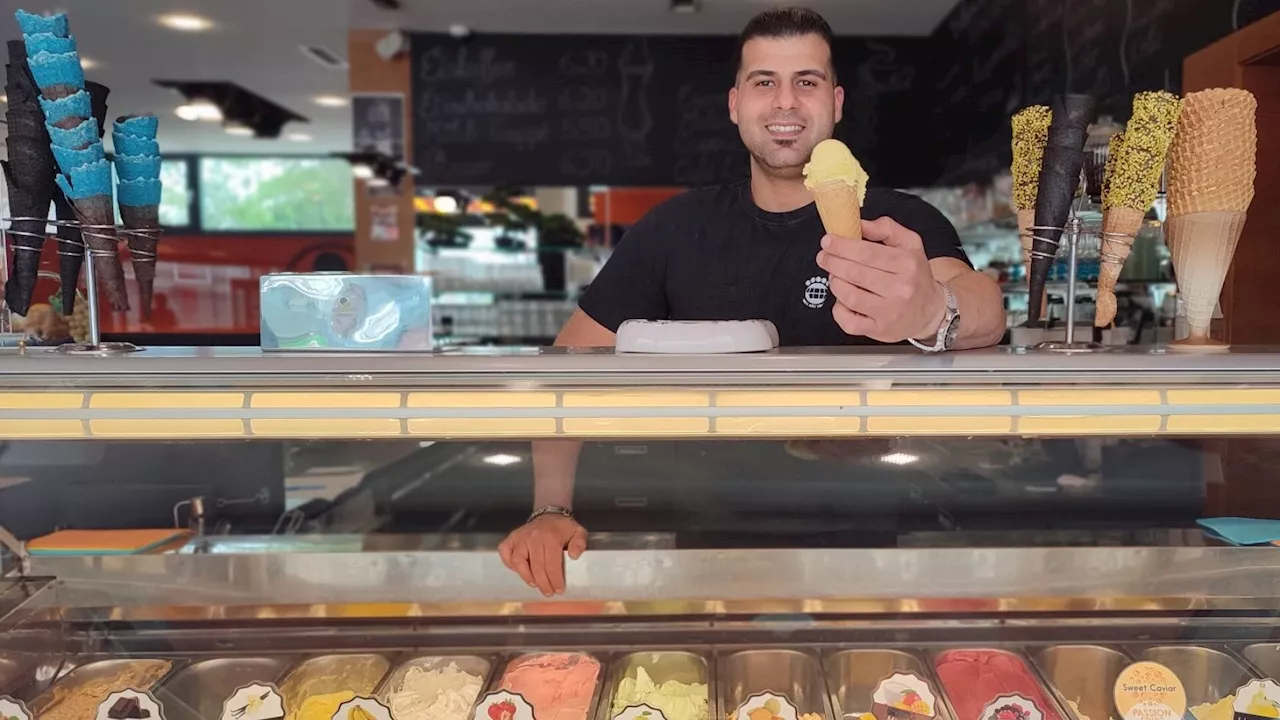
(940, 340)
(549, 510)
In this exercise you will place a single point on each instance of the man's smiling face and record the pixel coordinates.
(785, 101)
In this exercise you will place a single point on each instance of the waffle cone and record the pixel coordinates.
(1213, 161)
(1116, 222)
(1026, 218)
(839, 208)
(1202, 245)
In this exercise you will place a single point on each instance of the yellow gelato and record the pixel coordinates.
(321, 707)
(676, 700)
(1220, 710)
(831, 161)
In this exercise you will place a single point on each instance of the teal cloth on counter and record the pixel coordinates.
(139, 193)
(48, 42)
(138, 167)
(50, 70)
(32, 24)
(75, 105)
(142, 126)
(80, 136)
(1242, 531)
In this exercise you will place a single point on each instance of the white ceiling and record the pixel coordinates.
(255, 44)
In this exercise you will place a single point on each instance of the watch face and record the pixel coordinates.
(953, 329)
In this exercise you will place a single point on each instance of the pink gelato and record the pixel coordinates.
(973, 678)
(559, 686)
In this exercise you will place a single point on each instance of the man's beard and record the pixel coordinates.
(783, 171)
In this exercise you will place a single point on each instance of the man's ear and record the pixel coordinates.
(839, 93)
(733, 105)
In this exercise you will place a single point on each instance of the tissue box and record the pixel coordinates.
(341, 311)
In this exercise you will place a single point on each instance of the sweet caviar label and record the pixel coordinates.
(1150, 691)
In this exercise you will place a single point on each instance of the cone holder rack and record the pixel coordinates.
(94, 345)
(1071, 233)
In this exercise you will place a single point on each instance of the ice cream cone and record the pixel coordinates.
(839, 208)
(1120, 225)
(142, 249)
(1202, 246)
(1213, 163)
(1026, 218)
(96, 214)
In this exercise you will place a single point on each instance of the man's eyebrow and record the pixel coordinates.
(812, 73)
(773, 73)
(760, 73)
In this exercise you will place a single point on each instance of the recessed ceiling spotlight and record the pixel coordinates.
(184, 22)
(199, 110)
(899, 458)
(297, 137)
(684, 6)
(87, 64)
(4, 99)
(502, 459)
(333, 101)
(239, 129)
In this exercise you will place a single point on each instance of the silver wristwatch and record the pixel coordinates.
(549, 510)
(947, 329)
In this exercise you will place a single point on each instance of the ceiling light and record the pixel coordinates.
(199, 110)
(87, 64)
(297, 137)
(240, 129)
(502, 459)
(445, 204)
(899, 458)
(4, 99)
(363, 172)
(183, 22)
(331, 101)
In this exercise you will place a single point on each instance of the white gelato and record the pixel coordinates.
(438, 694)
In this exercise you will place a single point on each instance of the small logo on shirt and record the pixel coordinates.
(815, 292)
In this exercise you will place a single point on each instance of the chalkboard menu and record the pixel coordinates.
(625, 110)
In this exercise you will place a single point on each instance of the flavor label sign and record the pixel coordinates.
(1149, 691)
(1011, 707)
(1257, 699)
(503, 705)
(257, 701)
(130, 705)
(904, 696)
(640, 712)
(767, 706)
(362, 708)
(11, 709)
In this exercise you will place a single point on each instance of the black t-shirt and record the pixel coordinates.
(713, 254)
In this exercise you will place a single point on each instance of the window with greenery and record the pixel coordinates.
(276, 194)
(175, 197)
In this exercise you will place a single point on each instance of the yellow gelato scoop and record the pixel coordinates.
(830, 162)
(839, 186)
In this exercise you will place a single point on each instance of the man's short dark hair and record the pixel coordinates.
(786, 22)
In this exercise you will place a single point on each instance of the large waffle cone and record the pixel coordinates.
(839, 208)
(1120, 225)
(1202, 245)
(1213, 161)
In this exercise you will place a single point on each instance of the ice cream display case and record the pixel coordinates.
(997, 535)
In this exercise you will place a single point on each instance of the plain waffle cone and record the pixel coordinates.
(839, 208)
(1202, 245)
(1213, 162)
(1026, 218)
(1116, 222)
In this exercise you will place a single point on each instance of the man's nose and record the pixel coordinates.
(784, 98)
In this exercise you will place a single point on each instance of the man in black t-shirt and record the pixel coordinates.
(757, 250)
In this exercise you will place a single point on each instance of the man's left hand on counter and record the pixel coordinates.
(885, 289)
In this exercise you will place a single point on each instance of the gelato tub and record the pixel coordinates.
(853, 676)
(315, 689)
(1265, 658)
(1210, 677)
(435, 687)
(792, 673)
(78, 695)
(198, 691)
(971, 679)
(676, 683)
(559, 686)
(1084, 676)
